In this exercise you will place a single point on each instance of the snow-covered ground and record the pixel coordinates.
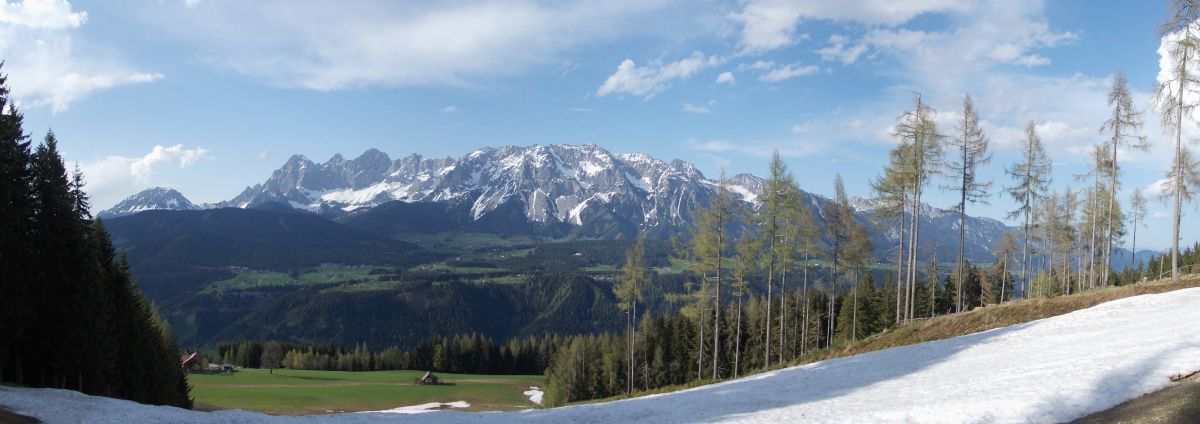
(422, 408)
(534, 394)
(1050, 370)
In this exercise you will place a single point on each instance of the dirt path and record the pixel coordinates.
(9, 417)
(1176, 404)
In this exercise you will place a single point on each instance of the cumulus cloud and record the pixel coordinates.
(646, 81)
(450, 109)
(112, 177)
(264, 155)
(46, 64)
(726, 78)
(49, 14)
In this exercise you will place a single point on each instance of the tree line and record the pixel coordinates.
(462, 354)
(71, 315)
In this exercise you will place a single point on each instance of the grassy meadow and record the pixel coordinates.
(303, 392)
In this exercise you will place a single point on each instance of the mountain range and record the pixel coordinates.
(561, 191)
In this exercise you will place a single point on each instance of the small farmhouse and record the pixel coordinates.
(428, 378)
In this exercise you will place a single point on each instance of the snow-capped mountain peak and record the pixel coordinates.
(153, 198)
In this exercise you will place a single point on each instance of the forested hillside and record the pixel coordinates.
(71, 315)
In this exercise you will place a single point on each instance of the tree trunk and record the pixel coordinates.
(899, 261)
(1178, 177)
(737, 341)
(767, 324)
(804, 326)
(854, 314)
(782, 309)
(1025, 260)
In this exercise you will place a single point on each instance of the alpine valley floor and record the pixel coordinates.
(1051, 370)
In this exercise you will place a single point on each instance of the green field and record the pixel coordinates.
(325, 274)
(299, 392)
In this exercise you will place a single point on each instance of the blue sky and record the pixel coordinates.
(210, 96)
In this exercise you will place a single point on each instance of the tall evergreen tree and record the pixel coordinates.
(1137, 214)
(15, 225)
(744, 266)
(1004, 251)
(776, 232)
(1174, 99)
(1032, 180)
(970, 147)
(710, 240)
(1123, 127)
(837, 226)
(634, 278)
(920, 154)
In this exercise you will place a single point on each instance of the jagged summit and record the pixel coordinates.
(551, 183)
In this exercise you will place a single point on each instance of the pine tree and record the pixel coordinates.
(710, 240)
(891, 191)
(777, 223)
(1004, 251)
(1122, 127)
(744, 266)
(1181, 32)
(920, 156)
(971, 152)
(839, 226)
(1137, 214)
(634, 277)
(1032, 180)
(1182, 184)
(15, 213)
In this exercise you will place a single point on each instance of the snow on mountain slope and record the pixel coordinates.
(150, 199)
(1050, 370)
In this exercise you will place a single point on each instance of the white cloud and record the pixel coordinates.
(1166, 66)
(580, 110)
(41, 14)
(1156, 190)
(333, 45)
(111, 178)
(786, 148)
(691, 108)
(802, 128)
(726, 78)
(758, 65)
(191, 3)
(646, 81)
(788, 72)
(771, 24)
(840, 49)
(264, 155)
(47, 66)
(450, 109)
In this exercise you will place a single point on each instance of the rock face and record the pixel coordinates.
(149, 199)
(562, 190)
